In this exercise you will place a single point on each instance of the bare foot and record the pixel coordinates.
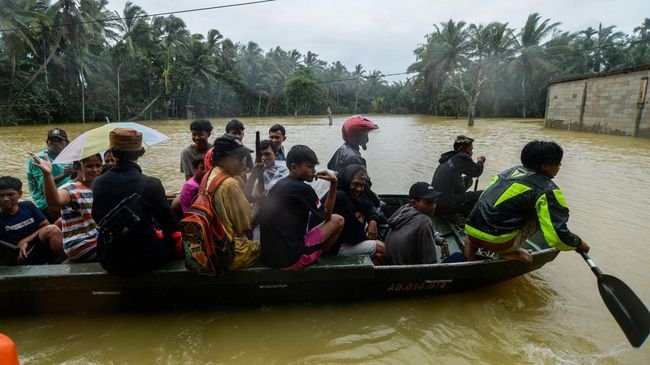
(519, 255)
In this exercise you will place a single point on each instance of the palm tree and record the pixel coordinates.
(358, 74)
(127, 22)
(530, 48)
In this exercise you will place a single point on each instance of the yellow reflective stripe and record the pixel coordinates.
(560, 198)
(512, 191)
(546, 225)
(494, 179)
(488, 237)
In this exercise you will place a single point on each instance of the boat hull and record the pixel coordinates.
(88, 288)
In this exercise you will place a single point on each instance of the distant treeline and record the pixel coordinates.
(72, 61)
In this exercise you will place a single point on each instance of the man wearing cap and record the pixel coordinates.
(454, 176)
(411, 239)
(56, 140)
(144, 250)
(229, 201)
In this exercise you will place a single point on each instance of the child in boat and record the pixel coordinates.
(359, 215)
(26, 237)
(183, 201)
(411, 238)
(229, 202)
(272, 170)
(236, 129)
(520, 201)
(75, 199)
(278, 135)
(289, 239)
(201, 130)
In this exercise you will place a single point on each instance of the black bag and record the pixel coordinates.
(117, 249)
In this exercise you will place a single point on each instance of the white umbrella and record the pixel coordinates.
(96, 141)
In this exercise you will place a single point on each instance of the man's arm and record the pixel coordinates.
(331, 195)
(22, 244)
(54, 197)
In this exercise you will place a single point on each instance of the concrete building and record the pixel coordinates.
(613, 102)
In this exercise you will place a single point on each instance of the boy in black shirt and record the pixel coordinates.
(288, 240)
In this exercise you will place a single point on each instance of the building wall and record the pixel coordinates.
(610, 104)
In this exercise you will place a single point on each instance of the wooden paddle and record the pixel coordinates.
(626, 307)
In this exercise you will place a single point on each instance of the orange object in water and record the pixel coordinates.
(8, 354)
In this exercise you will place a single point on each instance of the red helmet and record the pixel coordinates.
(354, 125)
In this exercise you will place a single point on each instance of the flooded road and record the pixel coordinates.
(553, 316)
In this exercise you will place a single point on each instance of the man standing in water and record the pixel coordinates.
(56, 141)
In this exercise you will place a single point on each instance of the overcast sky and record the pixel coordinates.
(380, 34)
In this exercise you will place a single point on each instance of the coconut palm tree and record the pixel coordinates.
(529, 45)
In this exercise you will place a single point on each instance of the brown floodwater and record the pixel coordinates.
(552, 316)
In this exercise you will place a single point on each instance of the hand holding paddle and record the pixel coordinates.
(626, 307)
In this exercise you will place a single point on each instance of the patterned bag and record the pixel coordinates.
(208, 250)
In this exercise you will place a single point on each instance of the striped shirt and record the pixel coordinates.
(79, 228)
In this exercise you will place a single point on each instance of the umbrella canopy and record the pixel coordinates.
(96, 141)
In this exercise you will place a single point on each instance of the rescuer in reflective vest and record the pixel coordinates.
(520, 201)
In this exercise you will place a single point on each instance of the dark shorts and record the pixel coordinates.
(37, 254)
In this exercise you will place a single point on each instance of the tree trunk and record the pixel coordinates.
(523, 93)
(144, 110)
(119, 114)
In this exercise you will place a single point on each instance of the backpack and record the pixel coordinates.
(208, 249)
(115, 251)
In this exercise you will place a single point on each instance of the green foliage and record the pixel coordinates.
(136, 67)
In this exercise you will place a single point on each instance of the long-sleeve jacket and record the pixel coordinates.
(515, 196)
(448, 178)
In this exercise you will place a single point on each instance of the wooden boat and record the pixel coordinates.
(87, 288)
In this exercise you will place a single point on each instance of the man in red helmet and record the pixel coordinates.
(355, 134)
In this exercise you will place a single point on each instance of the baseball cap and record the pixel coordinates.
(57, 133)
(422, 190)
(230, 146)
(125, 139)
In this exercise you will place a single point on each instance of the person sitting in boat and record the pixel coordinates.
(150, 242)
(355, 134)
(271, 171)
(291, 210)
(109, 161)
(75, 199)
(235, 128)
(411, 239)
(56, 141)
(26, 237)
(519, 202)
(229, 201)
(278, 135)
(183, 201)
(358, 214)
(201, 130)
(454, 176)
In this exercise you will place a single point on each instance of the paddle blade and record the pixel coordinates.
(626, 307)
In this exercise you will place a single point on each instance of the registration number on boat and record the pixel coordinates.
(418, 286)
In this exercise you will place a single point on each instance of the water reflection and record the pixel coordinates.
(554, 316)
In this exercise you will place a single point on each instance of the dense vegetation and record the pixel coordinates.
(74, 60)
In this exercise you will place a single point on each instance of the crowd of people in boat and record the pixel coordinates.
(278, 210)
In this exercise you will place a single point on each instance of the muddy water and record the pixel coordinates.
(553, 316)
